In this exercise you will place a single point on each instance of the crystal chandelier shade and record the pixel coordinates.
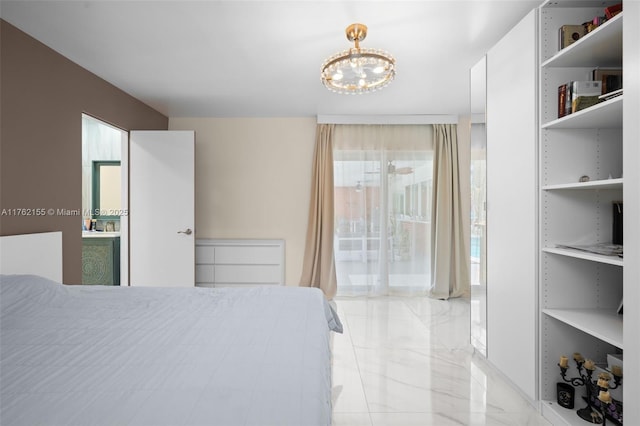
(358, 70)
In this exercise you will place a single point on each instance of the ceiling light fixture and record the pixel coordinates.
(358, 70)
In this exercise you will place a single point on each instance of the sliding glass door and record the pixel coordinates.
(383, 221)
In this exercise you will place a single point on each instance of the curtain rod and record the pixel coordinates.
(387, 119)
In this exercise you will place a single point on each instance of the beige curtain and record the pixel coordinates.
(450, 270)
(318, 269)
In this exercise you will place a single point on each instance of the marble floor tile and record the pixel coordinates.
(380, 307)
(348, 394)
(409, 361)
(457, 419)
(376, 332)
(351, 419)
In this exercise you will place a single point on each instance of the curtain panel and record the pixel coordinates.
(318, 268)
(449, 255)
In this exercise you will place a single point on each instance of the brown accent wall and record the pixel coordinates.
(42, 98)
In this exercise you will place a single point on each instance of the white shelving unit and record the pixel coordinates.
(603, 47)
(579, 291)
(605, 115)
(599, 184)
(604, 324)
(577, 254)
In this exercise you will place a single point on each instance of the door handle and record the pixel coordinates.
(188, 232)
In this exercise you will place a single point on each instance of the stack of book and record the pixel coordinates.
(575, 96)
(610, 78)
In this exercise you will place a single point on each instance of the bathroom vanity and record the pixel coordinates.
(100, 258)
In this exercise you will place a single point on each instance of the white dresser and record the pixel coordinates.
(224, 262)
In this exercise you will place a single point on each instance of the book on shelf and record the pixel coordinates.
(578, 95)
(584, 102)
(585, 88)
(612, 11)
(609, 78)
(584, 94)
(569, 34)
(568, 88)
(617, 233)
(562, 100)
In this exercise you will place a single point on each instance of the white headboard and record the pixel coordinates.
(38, 254)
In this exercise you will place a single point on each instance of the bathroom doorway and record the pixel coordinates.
(104, 203)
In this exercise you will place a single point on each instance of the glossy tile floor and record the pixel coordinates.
(408, 362)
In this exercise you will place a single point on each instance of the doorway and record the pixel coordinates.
(104, 203)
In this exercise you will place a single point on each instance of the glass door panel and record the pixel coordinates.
(382, 221)
(478, 208)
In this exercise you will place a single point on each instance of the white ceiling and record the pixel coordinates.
(263, 58)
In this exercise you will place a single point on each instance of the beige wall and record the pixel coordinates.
(253, 180)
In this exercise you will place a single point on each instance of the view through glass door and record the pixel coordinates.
(382, 221)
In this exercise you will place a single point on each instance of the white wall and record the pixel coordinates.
(253, 180)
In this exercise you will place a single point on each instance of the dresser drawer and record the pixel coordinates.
(222, 262)
(247, 274)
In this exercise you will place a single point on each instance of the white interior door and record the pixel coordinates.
(162, 208)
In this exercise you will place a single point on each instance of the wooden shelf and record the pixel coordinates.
(596, 184)
(604, 324)
(605, 115)
(579, 254)
(601, 47)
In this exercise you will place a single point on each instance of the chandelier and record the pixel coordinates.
(358, 70)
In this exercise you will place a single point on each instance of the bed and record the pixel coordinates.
(95, 355)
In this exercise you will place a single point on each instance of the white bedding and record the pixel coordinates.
(93, 355)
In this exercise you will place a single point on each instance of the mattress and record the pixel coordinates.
(94, 355)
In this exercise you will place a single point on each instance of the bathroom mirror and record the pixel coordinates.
(106, 189)
(478, 243)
